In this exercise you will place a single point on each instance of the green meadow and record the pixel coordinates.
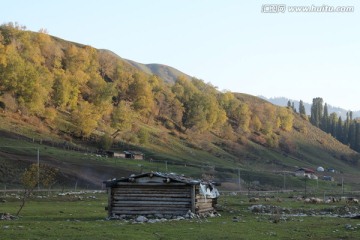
(84, 217)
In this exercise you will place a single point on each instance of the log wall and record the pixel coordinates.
(203, 204)
(144, 199)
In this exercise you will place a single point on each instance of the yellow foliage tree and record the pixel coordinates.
(256, 123)
(34, 175)
(85, 118)
(286, 119)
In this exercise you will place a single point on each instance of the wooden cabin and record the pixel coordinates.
(159, 193)
(134, 155)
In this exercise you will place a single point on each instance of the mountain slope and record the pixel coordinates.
(168, 74)
(99, 100)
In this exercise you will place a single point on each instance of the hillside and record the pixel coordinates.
(166, 73)
(69, 100)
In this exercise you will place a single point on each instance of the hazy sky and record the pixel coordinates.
(231, 44)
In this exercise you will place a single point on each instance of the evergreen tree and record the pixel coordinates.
(352, 135)
(346, 127)
(333, 124)
(325, 119)
(293, 107)
(289, 104)
(316, 111)
(302, 108)
(357, 137)
(339, 130)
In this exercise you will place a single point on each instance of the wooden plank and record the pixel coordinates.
(205, 210)
(120, 212)
(109, 201)
(153, 195)
(204, 205)
(144, 190)
(180, 195)
(150, 184)
(150, 199)
(193, 195)
(205, 200)
(151, 208)
(140, 191)
(134, 204)
(152, 202)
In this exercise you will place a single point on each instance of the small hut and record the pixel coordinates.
(134, 155)
(159, 193)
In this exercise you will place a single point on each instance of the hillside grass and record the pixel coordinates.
(167, 150)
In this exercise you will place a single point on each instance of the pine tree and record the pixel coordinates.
(357, 137)
(302, 108)
(325, 119)
(352, 135)
(346, 127)
(333, 119)
(316, 111)
(293, 107)
(339, 130)
(289, 104)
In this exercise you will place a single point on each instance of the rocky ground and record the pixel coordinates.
(331, 211)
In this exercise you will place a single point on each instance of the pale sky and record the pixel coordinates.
(231, 44)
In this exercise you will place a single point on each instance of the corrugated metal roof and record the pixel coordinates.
(171, 177)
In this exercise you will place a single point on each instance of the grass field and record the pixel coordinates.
(69, 217)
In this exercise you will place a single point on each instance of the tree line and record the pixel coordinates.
(347, 131)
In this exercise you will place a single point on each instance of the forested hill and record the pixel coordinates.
(52, 87)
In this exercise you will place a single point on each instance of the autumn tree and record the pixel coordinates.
(242, 116)
(85, 117)
(123, 116)
(201, 109)
(33, 176)
(107, 65)
(286, 119)
(140, 93)
(256, 123)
